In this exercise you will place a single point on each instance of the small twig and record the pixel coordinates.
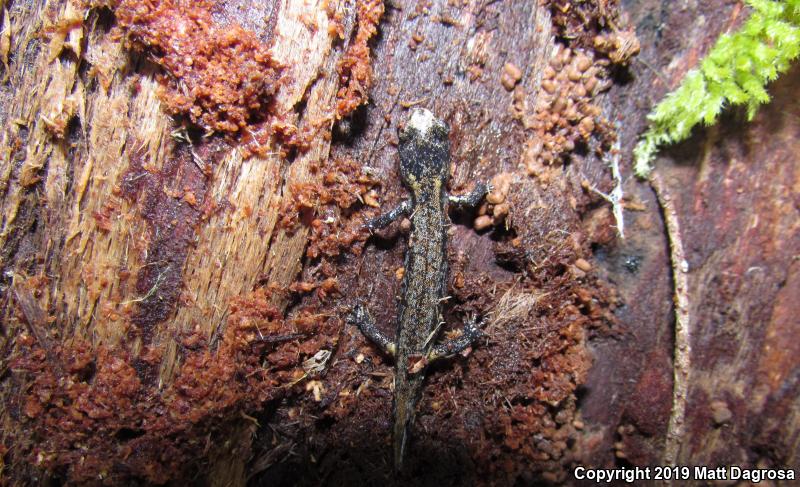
(616, 196)
(683, 350)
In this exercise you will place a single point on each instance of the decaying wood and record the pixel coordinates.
(729, 187)
(172, 299)
(682, 357)
(74, 145)
(738, 371)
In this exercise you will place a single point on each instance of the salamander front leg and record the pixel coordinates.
(403, 209)
(470, 334)
(361, 318)
(472, 198)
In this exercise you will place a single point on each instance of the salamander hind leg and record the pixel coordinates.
(362, 319)
(470, 334)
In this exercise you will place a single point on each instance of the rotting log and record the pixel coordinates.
(731, 190)
(173, 299)
(105, 194)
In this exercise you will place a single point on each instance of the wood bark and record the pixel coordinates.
(124, 231)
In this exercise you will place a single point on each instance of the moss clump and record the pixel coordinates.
(734, 72)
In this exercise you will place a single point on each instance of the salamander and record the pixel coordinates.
(424, 169)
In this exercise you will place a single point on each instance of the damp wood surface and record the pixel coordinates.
(174, 300)
(734, 191)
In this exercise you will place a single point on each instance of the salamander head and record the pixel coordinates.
(424, 149)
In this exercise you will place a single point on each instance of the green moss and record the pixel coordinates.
(734, 72)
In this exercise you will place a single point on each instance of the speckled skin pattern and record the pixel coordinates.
(424, 168)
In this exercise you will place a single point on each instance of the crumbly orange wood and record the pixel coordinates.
(91, 157)
(239, 246)
(221, 76)
(355, 69)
